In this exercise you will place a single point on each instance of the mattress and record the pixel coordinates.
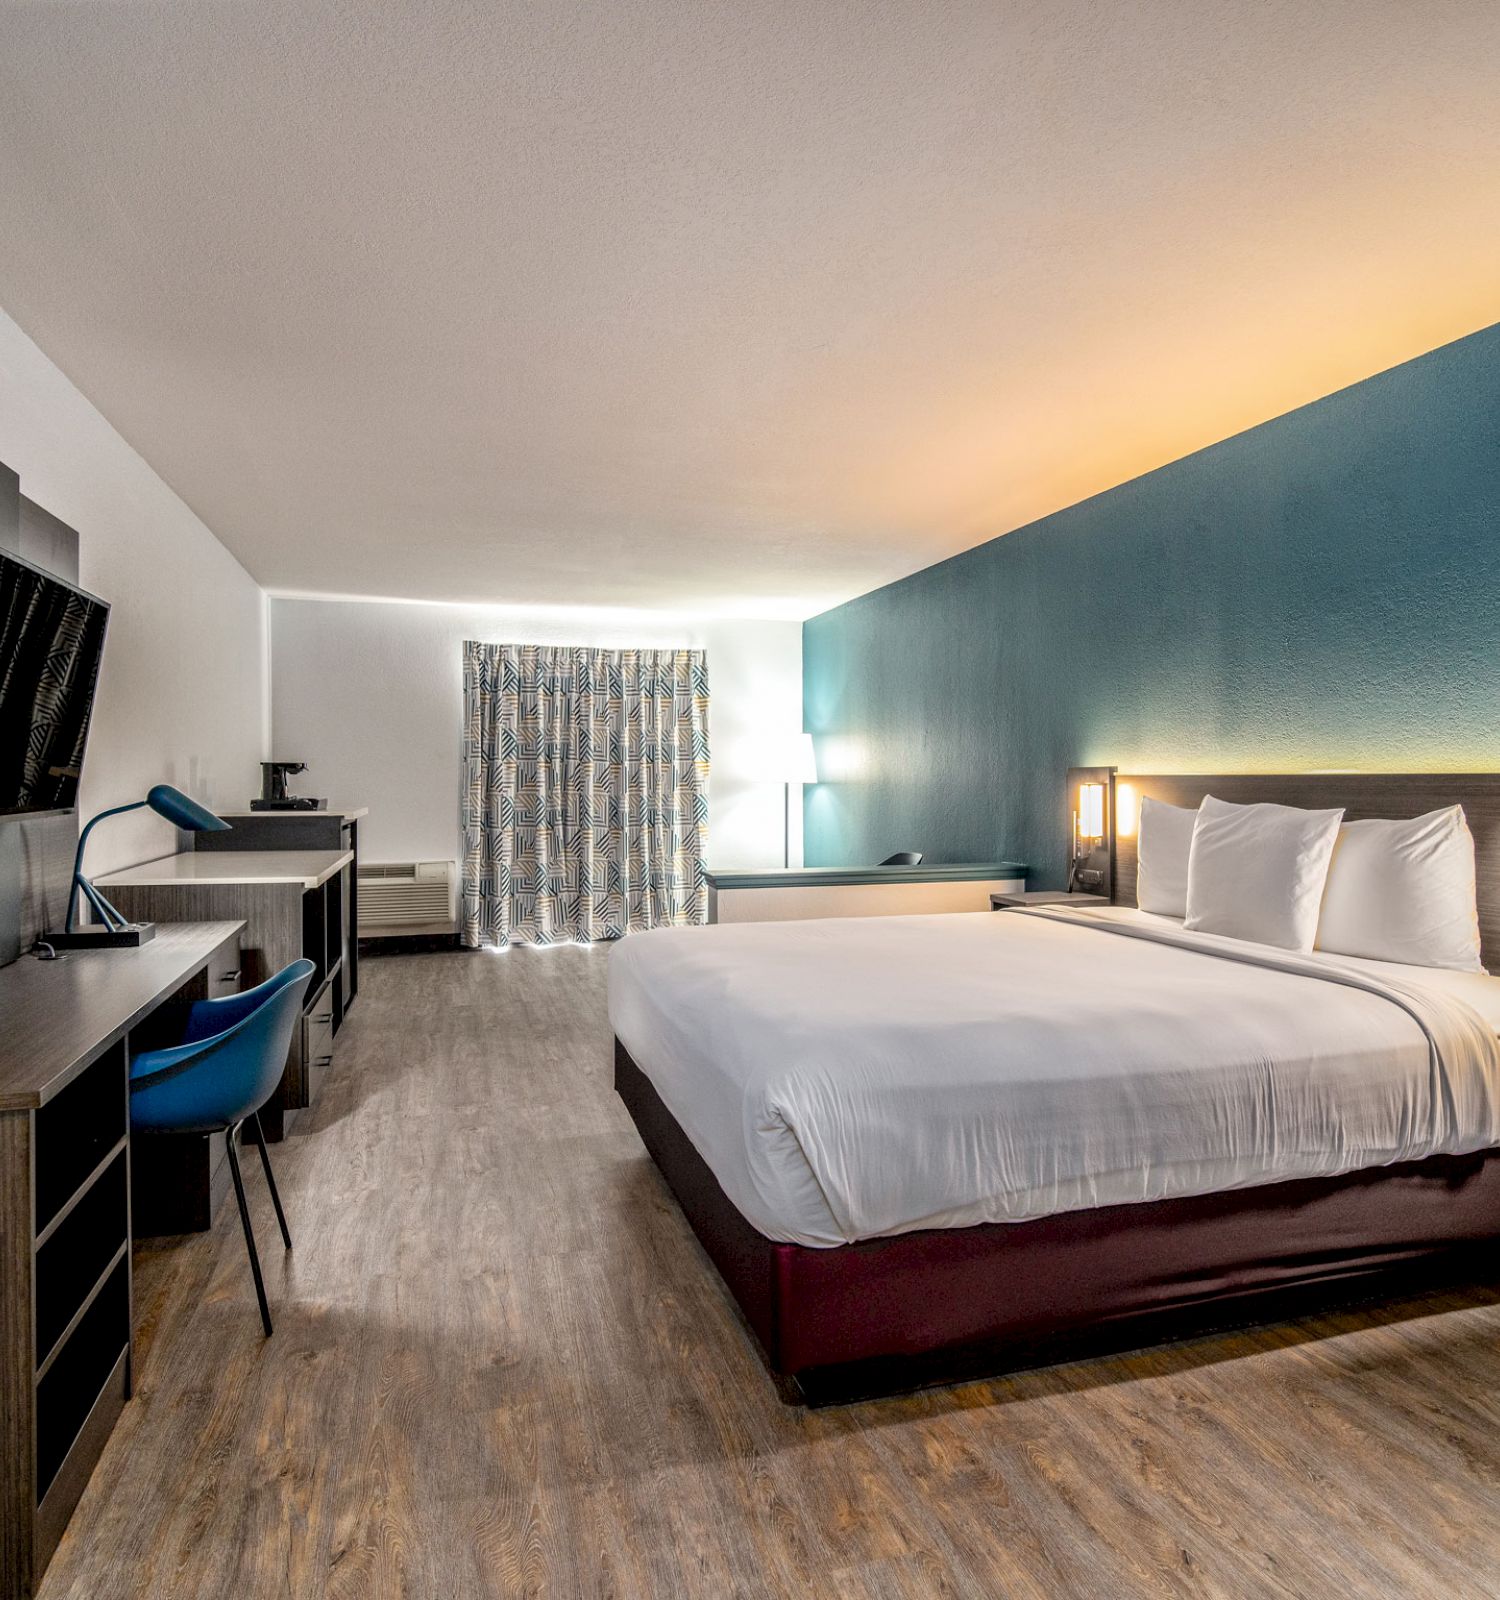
(855, 1078)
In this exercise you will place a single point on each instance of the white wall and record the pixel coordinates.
(370, 695)
(183, 691)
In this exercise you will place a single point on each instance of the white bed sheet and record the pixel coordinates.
(858, 1077)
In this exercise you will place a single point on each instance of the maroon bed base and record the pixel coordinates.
(885, 1315)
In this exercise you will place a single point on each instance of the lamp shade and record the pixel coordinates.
(804, 760)
(178, 808)
(1091, 810)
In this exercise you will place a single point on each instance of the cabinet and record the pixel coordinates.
(65, 1213)
(792, 894)
(307, 830)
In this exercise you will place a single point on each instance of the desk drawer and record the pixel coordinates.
(77, 1129)
(317, 1042)
(76, 1254)
(224, 969)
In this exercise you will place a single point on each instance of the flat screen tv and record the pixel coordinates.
(51, 639)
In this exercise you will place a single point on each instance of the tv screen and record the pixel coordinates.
(51, 639)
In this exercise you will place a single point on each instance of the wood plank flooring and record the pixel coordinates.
(503, 1367)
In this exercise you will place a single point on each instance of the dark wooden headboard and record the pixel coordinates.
(1361, 794)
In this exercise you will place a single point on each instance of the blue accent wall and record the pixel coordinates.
(1321, 591)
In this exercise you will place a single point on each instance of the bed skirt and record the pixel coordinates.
(938, 1306)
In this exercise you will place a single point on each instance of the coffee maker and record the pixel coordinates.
(273, 795)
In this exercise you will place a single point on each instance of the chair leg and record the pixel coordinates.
(239, 1194)
(265, 1161)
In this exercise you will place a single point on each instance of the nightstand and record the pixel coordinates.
(1045, 897)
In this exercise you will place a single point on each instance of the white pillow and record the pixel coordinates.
(1257, 872)
(1164, 835)
(1404, 891)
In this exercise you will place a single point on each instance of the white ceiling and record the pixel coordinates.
(745, 304)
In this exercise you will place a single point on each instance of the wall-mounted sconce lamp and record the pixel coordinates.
(1090, 812)
(1127, 811)
(1090, 857)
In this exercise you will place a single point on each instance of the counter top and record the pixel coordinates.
(60, 1014)
(303, 868)
(345, 814)
(831, 877)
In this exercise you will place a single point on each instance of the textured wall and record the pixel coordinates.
(370, 695)
(1322, 591)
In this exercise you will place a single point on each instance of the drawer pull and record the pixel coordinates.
(228, 977)
(323, 1061)
(322, 1017)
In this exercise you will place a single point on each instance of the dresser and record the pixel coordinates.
(791, 894)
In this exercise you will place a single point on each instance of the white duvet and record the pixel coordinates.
(856, 1077)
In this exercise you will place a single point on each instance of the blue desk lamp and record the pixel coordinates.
(115, 931)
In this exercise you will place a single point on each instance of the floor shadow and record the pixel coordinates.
(650, 1210)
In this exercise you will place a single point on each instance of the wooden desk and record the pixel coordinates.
(65, 1233)
(306, 869)
(791, 894)
(335, 828)
(289, 829)
(293, 903)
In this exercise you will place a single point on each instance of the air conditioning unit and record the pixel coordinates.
(400, 898)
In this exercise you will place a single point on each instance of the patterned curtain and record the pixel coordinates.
(585, 792)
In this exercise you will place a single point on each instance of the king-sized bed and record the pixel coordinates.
(922, 1147)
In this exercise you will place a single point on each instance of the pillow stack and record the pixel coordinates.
(1257, 872)
(1404, 891)
(1400, 890)
(1164, 837)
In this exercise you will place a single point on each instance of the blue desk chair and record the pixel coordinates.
(230, 1060)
